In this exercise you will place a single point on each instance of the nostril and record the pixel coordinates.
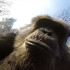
(49, 33)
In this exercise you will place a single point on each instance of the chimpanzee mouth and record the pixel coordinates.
(38, 44)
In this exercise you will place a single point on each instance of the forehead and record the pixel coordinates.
(48, 22)
(60, 27)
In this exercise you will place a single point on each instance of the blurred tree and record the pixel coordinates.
(64, 15)
(6, 24)
(4, 7)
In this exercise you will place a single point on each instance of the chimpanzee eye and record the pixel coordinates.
(44, 30)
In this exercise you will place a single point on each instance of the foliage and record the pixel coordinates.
(4, 7)
(64, 15)
(6, 24)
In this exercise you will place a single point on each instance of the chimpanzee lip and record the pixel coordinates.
(41, 45)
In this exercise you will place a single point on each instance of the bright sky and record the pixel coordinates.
(25, 10)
